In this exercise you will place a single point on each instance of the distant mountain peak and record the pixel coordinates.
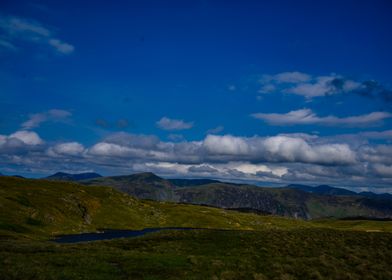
(328, 190)
(63, 176)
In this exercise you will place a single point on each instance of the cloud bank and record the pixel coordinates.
(281, 158)
(308, 117)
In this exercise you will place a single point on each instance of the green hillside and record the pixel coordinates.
(253, 246)
(45, 208)
(289, 202)
(42, 207)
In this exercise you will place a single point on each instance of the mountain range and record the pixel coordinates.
(299, 201)
(328, 190)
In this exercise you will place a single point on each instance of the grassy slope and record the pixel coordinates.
(279, 201)
(45, 208)
(278, 248)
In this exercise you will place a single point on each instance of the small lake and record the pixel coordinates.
(110, 234)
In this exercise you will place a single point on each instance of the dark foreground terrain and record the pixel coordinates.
(252, 246)
(206, 254)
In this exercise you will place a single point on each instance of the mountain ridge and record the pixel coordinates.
(287, 201)
(63, 176)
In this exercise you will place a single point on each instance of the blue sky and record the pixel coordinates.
(260, 91)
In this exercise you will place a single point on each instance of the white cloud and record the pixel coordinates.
(254, 169)
(287, 77)
(322, 86)
(202, 168)
(383, 170)
(268, 88)
(226, 145)
(307, 117)
(306, 85)
(109, 150)
(17, 29)
(61, 47)
(68, 149)
(27, 137)
(173, 124)
(23, 27)
(37, 119)
(277, 149)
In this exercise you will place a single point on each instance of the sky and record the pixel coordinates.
(266, 92)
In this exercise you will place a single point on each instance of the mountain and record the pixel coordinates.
(62, 176)
(192, 182)
(36, 207)
(376, 195)
(145, 185)
(266, 200)
(290, 201)
(328, 190)
(17, 176)
(322, 189)
(285, 201)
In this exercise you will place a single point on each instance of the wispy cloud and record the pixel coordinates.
(287, 77)
(7, 45)
(308, 117)
(216, 130)
(176, 137)
(17, 29)
(173, 124)
(37, 119)
(307, 85)
(61, 47)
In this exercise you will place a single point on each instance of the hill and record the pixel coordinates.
(62, 176)
(322, 189)
(376, 195)
(285, 201)
(251, 246)
(145, 185)
(30, 207)
(306, 203)
(328, 190)
(192, 182)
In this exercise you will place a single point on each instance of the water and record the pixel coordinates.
(110, 234)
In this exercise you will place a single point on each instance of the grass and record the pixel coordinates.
(207, 254)
(253, 247)
(41, 209)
